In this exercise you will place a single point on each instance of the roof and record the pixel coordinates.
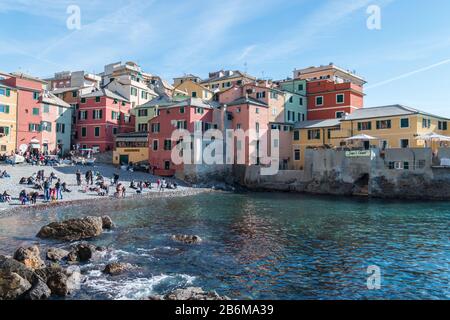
(247, 100)
(63, 90)
(104, 92)
(386, 111)
(50, 98)
(196, 102)
(189, 75)
(317, 124)
(28, 77)
(236, 74)
(6, 86)
(158, 101)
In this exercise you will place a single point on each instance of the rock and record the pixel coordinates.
(12, 286)
(73, 229)
(193, 293)
(56, 254)
(187, 239)
(10, 265)
(115, 268)
(29, 257)
(107, 223)
(82, 252)
(73, 278)
(39, 291)
(57, 283)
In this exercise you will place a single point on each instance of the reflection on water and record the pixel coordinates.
(262, 246)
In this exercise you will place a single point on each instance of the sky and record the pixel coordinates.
(406, 61)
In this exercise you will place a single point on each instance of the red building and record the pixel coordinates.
(330, 100)
(100, 116)
(190, 114)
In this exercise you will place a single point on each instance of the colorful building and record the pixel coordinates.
(8, 119)
(195, 90)
(102, 114)
(394, 126)
(191, 114)
(295, 100)
(131, 148)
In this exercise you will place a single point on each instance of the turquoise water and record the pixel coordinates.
(262, 246)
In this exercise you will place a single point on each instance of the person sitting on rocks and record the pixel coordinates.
(23, 197)
(38, 186)
(118, 193)
(4, 174)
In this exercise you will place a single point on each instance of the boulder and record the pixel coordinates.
(82, 252)
(57, 282)
(39, 291)
(187, 239)
(29, 257)
(193, 293)
(116, 268)
(12, 285)
(107, 223)
(9, 265)
(56, 254)
(73, 229)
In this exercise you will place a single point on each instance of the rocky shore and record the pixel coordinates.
(40, 272)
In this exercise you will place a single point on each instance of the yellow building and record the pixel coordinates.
(195, 90)
(393, 126)
(223, 80)
(8, 119)
(131, 148)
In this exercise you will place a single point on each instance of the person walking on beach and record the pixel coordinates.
(78, 174)
(58, 190)
(47, 190)
(115, 179)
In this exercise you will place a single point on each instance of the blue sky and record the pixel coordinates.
(407, 61)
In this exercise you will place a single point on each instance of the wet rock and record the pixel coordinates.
(57, 283)
(29, 257)
(82, 252)
(12, 285)
(193, 293)
(116, 268)
(56, 254)
(187, 239)
(107, 223)
(73, 274)
(9, 265)
(73, 229)
(39, 291)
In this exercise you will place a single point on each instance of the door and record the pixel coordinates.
(366, 145)
(124, 159)
(167, 165)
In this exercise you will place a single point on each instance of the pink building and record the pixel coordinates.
(191, 114)
(101, 115)
(29, 110)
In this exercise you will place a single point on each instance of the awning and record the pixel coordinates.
(432, 137)
(361, 137)
(35, 146)
(34, 141)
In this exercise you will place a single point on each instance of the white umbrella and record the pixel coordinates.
(361, 137)
(432, 136)
(33, 141)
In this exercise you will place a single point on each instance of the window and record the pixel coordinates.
(297, 154)
(142, 113)
(83, 100)
(155, 145)
(83, 131)
(291, 99)
(46, 126)
(97, 99)
(142, 127)
(33, 127)
(182, 124)
(82, 115)
(300, 101)
(167, 145)
(406, 165)
(4, 131)
(383, 124)
(257, 127)
(181, 110)
(60, 127)
(115, 130)
(319, 101)
(314, 134)
(340, 114)
(97, 114)
(426, 123)
(260, 95)
(46, 108)
(300, 87)
(340, 98)
(4, 108)
(155, 127)
(274, 111)
(115, 115)
(35, 95)
(194, 94)
(364, 126)
(442, 125)
(97, 131)
(238, 126)
(134, 91)
(144, 95)
(199, 110)
(74, 94)
(238, 110)
(404, 143)
(35, 111)
(273, 95)
(404, 123)
(257, 110)
(296, 135)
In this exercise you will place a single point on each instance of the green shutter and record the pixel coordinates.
(8, 92)
(6, 109)
(6, 130)
(359, 126)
